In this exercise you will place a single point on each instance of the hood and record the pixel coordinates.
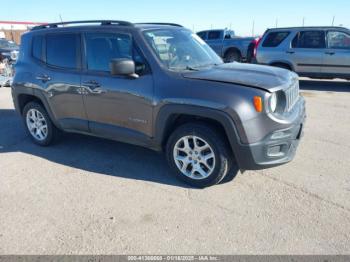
(257, 76)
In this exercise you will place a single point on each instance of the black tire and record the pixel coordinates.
(232, 56)
(223, 156)
(52, 131)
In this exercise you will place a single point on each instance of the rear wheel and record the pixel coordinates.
(198, 155)
(38, 124)
(232, 56)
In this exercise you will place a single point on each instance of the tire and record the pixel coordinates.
(216, 167)
(232, 56)
(37, 111)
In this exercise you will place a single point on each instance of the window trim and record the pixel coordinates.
(308, 48)
(78, 52)
(281, 31)
(339, 31)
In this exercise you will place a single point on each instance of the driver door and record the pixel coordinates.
(117, 107)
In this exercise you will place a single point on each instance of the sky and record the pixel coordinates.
(244, 17)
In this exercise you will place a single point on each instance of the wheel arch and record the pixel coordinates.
(171, 116)
(24, 98)
(282, 62)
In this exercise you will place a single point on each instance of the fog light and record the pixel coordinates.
(275, 151)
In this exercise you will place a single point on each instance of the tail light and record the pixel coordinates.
(256, 44)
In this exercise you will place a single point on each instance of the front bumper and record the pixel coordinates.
(278, 148)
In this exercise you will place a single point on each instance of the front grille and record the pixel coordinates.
(292, 95)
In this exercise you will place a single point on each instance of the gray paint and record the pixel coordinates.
(137, 110)
(313, 62)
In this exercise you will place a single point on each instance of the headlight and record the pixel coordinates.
(273, 102)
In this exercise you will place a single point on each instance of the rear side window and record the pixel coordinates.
(274, 39)
(338, 40)
(101, 48)
(214, 35)
(309, 39)
(37, 47)
(61, 50)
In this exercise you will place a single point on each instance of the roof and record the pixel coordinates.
(309, 27)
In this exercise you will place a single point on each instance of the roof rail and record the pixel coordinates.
(156, 23)
(102, 22)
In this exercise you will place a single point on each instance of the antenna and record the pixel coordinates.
(60, 18)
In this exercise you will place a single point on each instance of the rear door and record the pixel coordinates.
(337, 55)
(59, 59)
(307, 51)
(215, 40)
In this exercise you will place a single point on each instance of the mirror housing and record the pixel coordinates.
(123, 67)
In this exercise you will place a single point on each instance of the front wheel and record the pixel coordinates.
(198, 155)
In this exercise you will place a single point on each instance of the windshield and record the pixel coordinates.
(181, 49)
(7, 44)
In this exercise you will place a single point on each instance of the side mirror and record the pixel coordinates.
(123, 67)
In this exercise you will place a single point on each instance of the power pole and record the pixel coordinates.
(303, 21)
(333, 20)
(276, 22)
(253, 28)
(60, 18)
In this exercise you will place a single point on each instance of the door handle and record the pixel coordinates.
(43, 78)
(330, 53)
(290, 52)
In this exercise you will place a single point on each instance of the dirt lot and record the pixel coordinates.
(92, 196)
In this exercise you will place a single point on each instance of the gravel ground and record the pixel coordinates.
(92, 196)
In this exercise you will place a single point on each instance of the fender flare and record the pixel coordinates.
(166, 115)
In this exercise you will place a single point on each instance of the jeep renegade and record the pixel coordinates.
(159, 86)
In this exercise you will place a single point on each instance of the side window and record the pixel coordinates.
(338, 40)
(202, 35)
(274, 39)
(309, 39)
(212, 35)
(37, 47)
(101, 48)
(61, 50)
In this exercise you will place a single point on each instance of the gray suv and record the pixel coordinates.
(159, 86)
(320, 52)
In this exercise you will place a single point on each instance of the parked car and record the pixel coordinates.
(8, 50)
(320, 52)
(228, 46)
(159, 86)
